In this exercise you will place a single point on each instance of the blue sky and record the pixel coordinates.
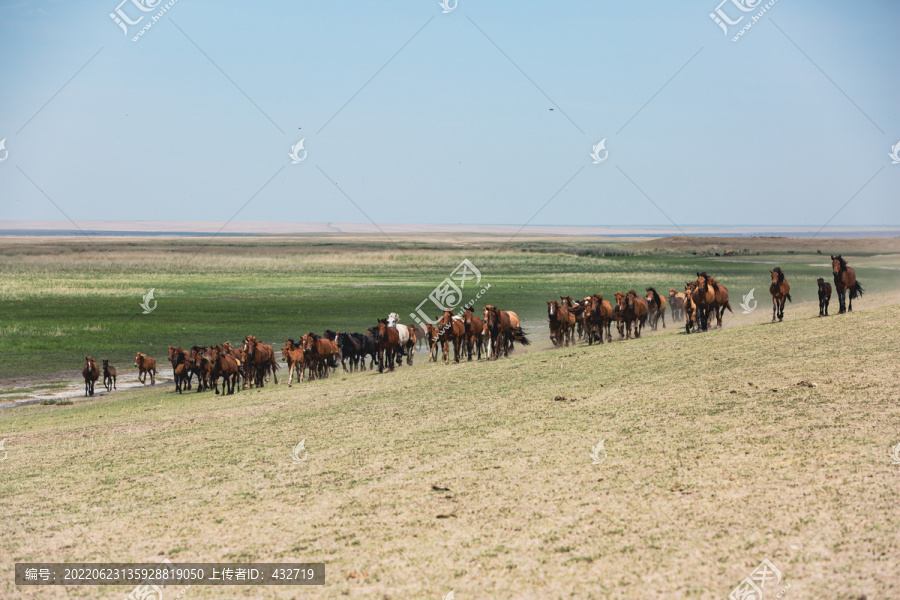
(783, 127)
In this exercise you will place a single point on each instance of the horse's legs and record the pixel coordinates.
(774, 308)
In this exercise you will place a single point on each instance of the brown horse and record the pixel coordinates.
(432, 334)
(598, 315)
(781, 291)
(180, 369)
(689, 309)
(845, 279)
(451, 329)
(91, 373)
(562, 323)
(260, 362)
(292, 354)
(388, 339)
(636, 311)
(703, 297)
(321, 353)
(504, 329)
(109, 376)
(145, 365)
(576, 309)
(824, 296)
(474, 331)
(225, 366)
(656, 304)
(720, 302)
(676, 304)
(411, 343)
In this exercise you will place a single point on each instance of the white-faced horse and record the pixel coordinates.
(393, 320)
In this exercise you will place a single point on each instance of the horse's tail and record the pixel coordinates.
(728, 306)
(519, 336)
(788, 296)
(856, 291)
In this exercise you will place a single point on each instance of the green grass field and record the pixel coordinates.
(64, 300)
(478, 478)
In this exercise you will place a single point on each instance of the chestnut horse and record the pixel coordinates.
(451, 328)
(474, 331)
(260, 362)
(225, 366)
(656, 305)
(676, 304)
(576, 309)
(845, 279)
(703, 297)
(689, 308)
(145, 365)
(636, 311)
(720, 302)
(781, 291)
(292, 354)
(824, 296)
(321, 353)
(91, 373)
(598, 315)
(109, 376)
(562, 323)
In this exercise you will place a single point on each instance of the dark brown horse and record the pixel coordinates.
(504, 328)
(576, 309)
(656, 304)
(824, 296)
(145, 365)
(388, 339)
(689, 308)
(781, 291)
(91, 373)
(109, 376)
(845, 279)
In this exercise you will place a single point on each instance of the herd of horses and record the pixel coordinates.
(494, 334)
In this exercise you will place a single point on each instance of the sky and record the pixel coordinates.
(485, 114)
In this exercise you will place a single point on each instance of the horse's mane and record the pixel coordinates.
(631, 292)
(843, 262)
(656, 299)
(780, 274)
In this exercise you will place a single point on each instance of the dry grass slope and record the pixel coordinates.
(474, 478)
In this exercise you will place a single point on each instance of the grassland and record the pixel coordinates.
(477, 478)
(62, 299)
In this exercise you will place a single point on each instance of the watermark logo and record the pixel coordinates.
(600, 147)
(6, 452)
(754, 587)
(148, 298)
(449, 293)
(598, 453)
(145, 591)
(296, 159)
(448, 6)
(748, 298)
(6, 152)
(895, 453)
(451, 595)
(895, 153)
(295, 453)
(724, 21)
(124, 21)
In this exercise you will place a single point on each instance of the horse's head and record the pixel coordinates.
(106, 364)
(629, 298)
(838, 264)
(620, 300)
(552, 307)
(137, 359)
(821, 282)
(777, 275)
